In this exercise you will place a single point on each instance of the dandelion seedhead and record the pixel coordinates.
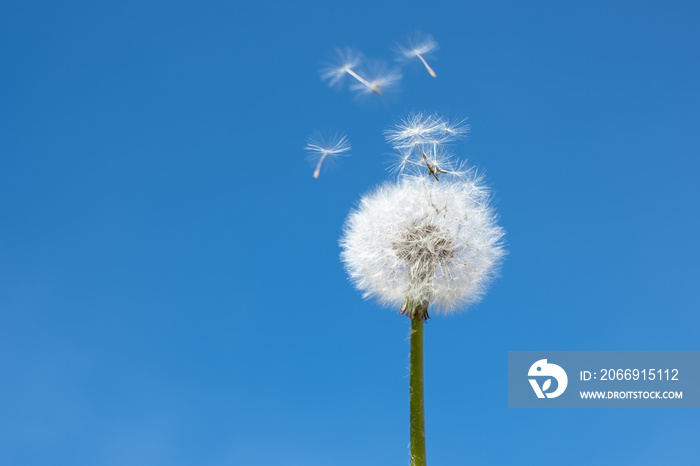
(417, 241)
(323, 148)
(419, 46)
(421, 142)
(376, 78)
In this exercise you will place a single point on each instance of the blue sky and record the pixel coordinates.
(170, 287)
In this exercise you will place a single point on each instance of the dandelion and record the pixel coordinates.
(421, 45)
(322, 147)
(417, 243)
(378, 77)
(422, 141)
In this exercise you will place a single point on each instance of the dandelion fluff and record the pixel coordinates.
(419, 46)
(421, 142)
(380, 78)
(423, 241)
(367, 76)
(326, 148)
(344, 60)
(420, 129)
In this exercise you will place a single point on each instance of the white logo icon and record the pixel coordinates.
(542, 369)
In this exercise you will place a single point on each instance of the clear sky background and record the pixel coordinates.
(170, 286)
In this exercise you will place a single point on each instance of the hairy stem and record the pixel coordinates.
(417, 416)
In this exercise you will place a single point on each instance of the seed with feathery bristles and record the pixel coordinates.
(421, 141)
(380, 76)
(377, 77)
(419, 46)
(322, 148)
(419, 129)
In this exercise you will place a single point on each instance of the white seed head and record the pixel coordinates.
(326, 148)
(421, 240)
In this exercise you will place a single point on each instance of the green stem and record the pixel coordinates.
(416, 388)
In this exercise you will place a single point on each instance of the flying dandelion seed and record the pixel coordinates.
(325, 148)
(380, 76)
(377, 78)
(420, 46)
(421, 142)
